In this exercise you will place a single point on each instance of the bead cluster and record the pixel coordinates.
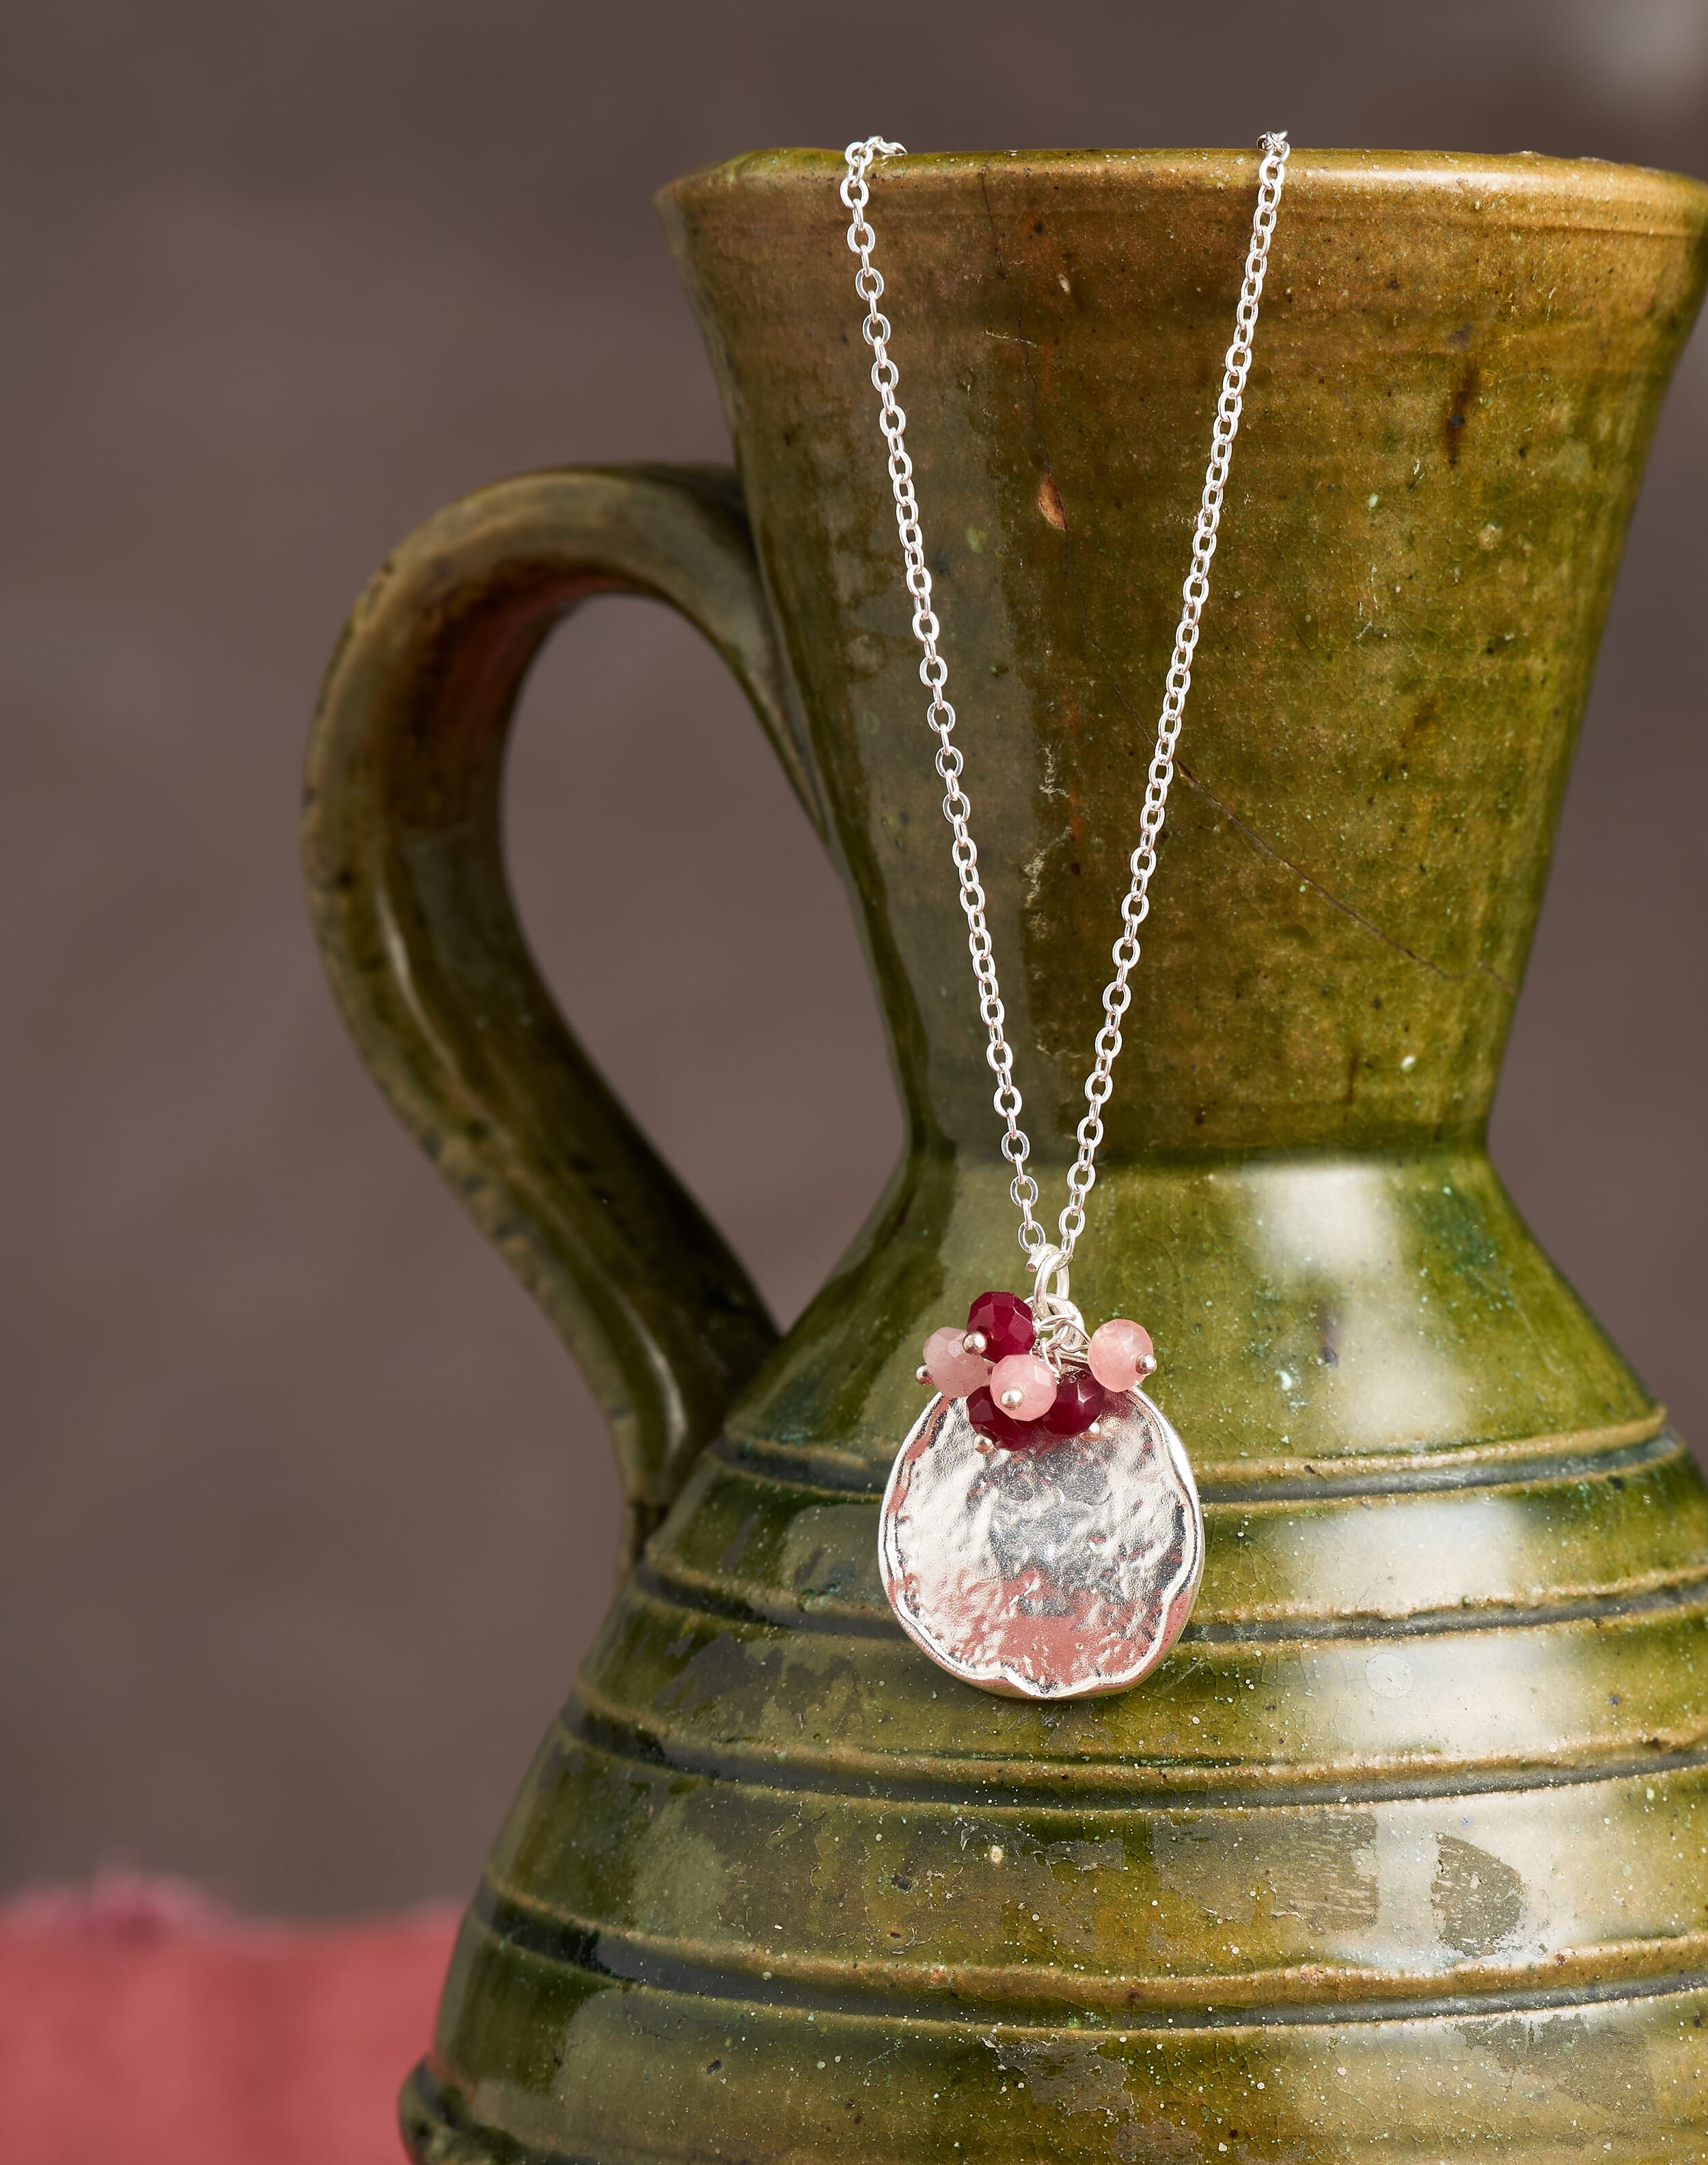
(1023, 1390)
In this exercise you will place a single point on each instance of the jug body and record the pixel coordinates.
(1405, 1849)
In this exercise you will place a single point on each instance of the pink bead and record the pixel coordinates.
(1120, 1354)
(951, 1369)
(1023, 1386)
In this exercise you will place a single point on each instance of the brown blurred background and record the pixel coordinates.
(305, 1518)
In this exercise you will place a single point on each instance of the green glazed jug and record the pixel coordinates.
(1403, 1854)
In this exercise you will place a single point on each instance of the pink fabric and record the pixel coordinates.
(142, 2024)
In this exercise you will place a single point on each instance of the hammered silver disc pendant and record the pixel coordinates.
(1051, 1571)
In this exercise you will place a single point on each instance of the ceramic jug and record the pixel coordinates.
(1403, 1854)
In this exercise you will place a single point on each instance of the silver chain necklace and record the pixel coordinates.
(934, 671)
(996, 1560)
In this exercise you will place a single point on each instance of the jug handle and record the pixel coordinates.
(412, 910)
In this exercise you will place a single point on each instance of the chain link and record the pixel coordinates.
(933, 671)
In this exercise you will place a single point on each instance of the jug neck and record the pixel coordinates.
(1457, 372)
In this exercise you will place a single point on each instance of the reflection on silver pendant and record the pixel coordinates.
(1047, 1573)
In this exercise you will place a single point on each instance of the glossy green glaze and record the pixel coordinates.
(1403, 1852)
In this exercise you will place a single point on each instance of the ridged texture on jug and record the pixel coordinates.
(1403, 1852)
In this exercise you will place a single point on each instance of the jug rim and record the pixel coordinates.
(1529, 183)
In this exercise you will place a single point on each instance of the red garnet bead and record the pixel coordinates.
(1079, 1398)
(1005, 1322)
(990, 1419)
